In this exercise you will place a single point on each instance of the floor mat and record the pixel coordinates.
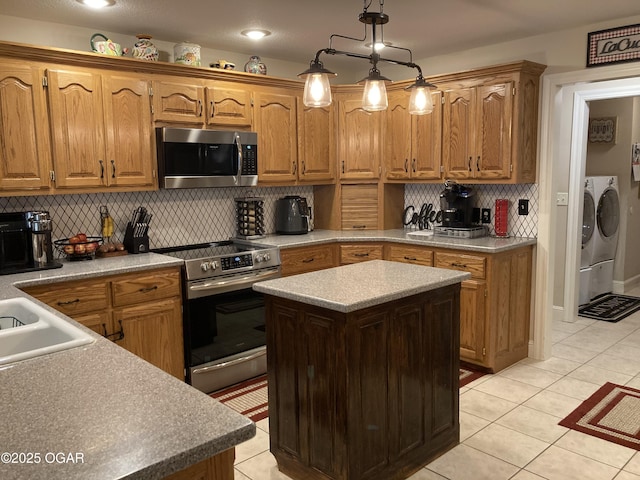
(468, 375)
(610, 308)
(612, 413)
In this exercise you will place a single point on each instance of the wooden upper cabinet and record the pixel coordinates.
(458, 132)
(101, 129)
(413, 143)
(359, 139)
(275, 120)
(130, 156)
(176, 101)
(316, 143)
(25, 149)
(229, 105)
(77, 123)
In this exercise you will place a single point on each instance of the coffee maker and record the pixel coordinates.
(25, 242)
(457, 203)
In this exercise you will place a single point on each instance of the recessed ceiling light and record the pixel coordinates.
(97, 3)
(255, 34)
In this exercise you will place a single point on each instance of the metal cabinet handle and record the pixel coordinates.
(413, 165)
(101, 168)
(295, 167)
(406, 165)
(414, 259)
(461, 265)
(469, 163)
(342, 166)
(304, 167)
(104, 330)
(148, 289)
(360, 254)
(114, 337)
(200, 108)
(213, 108)
(113, 169)
(70, 302)
(308, 260)
(359, 226)
(478, 163)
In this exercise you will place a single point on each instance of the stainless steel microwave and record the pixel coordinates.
(197, 158)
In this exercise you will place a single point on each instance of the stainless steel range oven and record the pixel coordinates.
(224, 325)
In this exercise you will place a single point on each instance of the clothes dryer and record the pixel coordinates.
(606, 236)
(588, 230)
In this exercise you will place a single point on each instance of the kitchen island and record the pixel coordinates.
(100, 412)
(362, 369)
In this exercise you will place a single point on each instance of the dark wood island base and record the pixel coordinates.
(369, 394)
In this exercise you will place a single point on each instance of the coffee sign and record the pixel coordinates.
(615, 45)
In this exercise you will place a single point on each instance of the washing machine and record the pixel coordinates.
(588, 229)
(605, 238)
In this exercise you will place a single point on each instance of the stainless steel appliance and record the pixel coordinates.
(292, 215)
(224, 324)
(25, 242)
(196, 158)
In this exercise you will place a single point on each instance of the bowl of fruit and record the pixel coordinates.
(79, 246)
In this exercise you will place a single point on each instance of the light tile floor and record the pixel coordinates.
(509, 421)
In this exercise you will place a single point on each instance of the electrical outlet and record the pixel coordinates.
(486, 215)
(523, 206)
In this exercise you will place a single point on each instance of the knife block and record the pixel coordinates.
(135, 243)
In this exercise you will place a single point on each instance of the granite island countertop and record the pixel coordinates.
(115, 415)
(487, 244)
(360, 285)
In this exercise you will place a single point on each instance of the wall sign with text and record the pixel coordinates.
(614, 45)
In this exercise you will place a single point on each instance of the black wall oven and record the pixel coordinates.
(224, 319)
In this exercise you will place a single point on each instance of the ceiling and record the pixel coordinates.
(300, 28)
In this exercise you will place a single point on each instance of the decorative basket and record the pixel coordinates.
(85, 250)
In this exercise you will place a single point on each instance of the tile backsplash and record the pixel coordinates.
(189, 216)
(518, 225)
(180, 217)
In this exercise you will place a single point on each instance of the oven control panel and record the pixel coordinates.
(236, 261)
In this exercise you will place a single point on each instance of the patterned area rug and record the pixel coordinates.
(610, 308)
(467, 375)
(612, 413)
(250, 397)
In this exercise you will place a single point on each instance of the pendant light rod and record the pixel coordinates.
(333, 51)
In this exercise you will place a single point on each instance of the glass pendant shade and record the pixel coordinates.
(374, 97)
(420, 102)
(317, 91)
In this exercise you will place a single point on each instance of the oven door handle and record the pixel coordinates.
(230, 363)
(221, 286)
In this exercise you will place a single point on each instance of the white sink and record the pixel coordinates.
(27, 330)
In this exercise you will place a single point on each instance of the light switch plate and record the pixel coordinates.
(562, 198)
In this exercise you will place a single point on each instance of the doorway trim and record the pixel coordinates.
(563, 135)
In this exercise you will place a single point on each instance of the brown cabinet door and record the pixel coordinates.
(229, 105)
(359, 139)
(458, 132)
(77, 123)
(127, 109)
(25, 147)
(99, 322)
(153, 331)
(178, 102)
(472, 321)
(397, 139)
(275, 122)
(493, 142)
(426, 142)
(316, 143)
(360, 207)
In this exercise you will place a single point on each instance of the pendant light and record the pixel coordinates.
(317, 91)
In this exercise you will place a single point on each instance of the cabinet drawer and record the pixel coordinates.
(145, 288)
(307, 259)
(73, 298)
(473, 264)
(407, 254)
(359, 252)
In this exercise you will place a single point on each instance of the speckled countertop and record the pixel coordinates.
(116, 415)
(353, 287)
(484, 244)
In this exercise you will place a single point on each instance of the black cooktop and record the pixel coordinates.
(204, 250)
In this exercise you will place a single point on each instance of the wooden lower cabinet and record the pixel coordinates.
(360, 252)
(308, 259)
(142, 312)
(495, 304)
(218, 467)
(368, 394)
